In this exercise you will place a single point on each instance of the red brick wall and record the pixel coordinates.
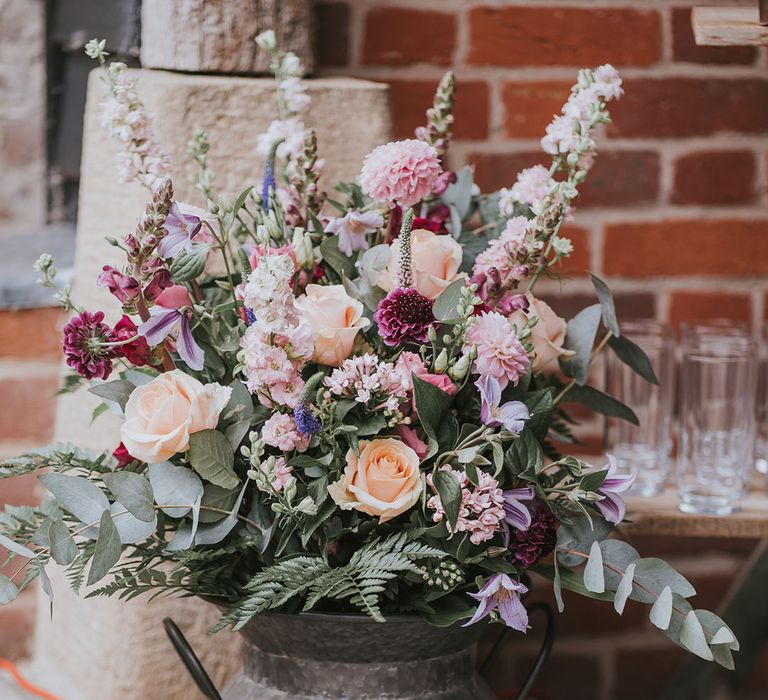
(673, 216)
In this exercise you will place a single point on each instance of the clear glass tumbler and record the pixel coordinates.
(644, 450)
(718, 380)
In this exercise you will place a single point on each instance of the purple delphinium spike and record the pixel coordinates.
(612, 506)
(501, 593)
(511, 415)
(181, 229)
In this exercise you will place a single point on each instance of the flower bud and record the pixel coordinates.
(460, 369)
(267, 41)
(441, 363)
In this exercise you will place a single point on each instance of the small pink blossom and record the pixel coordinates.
(532, 185)
(280, 431)
(400, 172)
(353, 228)
(281, 474)
(500, 354)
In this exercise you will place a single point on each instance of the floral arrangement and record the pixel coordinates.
(348, 403)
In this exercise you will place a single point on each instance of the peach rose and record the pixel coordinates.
(435, 261)
(383, 481)
(162, 414)
(547, 335)
(335, 317)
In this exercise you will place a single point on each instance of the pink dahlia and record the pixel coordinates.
(404, 316)
(402, 172)
(500, 354)
(85, 345)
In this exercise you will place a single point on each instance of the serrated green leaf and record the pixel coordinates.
(449, 489)
(108, 549)
(211, 456)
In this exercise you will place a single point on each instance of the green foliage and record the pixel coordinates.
(579, 339)
(60, 457)
(211, 456)
(189, 263)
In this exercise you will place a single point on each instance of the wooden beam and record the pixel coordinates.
(660, 516)
(728, 26)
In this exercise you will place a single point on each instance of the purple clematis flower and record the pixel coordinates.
(516, 513)
(511, 415)
(181, 229)
(167, 317)
(352, 229)
(612, 506)
(501, 593)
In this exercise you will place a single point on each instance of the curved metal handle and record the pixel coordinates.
(541, 657)
(188, 656)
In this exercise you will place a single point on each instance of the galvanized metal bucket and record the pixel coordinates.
(351, 657)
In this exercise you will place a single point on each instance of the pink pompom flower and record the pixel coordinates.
(400, 172)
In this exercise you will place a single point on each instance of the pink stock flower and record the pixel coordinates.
(402, 172)
(280, 431)
(280, 475)
(482, 507)
(500, 354)
(532, 185)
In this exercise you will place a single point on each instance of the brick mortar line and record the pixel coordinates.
(24, 369)
(621, 285)
(720, 141)
(452, 5)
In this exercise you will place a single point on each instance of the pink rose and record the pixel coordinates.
(383, 481)
(410, 363)
(162, 414)
(547, 335)
(336, 319)
(435, 261)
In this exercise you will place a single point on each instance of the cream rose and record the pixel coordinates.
(335, 317)
(547, 335)
(162, 414)
(383, 480)
(435, 261)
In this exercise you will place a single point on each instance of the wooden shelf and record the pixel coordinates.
(728, 26)
(660, 516)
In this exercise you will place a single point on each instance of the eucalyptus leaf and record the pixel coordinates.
(459, 193)
(661, 611)
(16, 548)
(130, 528)
(177, 486)
(215, 533)
(578, 534)
(118, 391)
(580, 339)
(594, 579)
(63, 547)
(139, 377)
(77, 495)
(45, 583)
(107, 551)
(216, 497)
(692, 637)
(134, 492)
(445, 306)
(624, 589)
(8, 590)
(449, 489)
(607, 306)
(212, 457)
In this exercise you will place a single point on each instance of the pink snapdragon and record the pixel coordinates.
(532, 185)
(500, 354)
(400, 172)
(482, 506)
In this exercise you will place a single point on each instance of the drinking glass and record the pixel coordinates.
(718, 378)
(761, 409)
(644, 450)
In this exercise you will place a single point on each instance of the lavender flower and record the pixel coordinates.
(404, 316)
(180, 230)
(612, 506)
(85, 349)
(511, 415)
(305, 419)
(501, 593)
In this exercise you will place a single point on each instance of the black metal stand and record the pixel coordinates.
(188, 656)
(541, 657)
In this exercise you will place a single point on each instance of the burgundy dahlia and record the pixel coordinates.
(404, 316)
(531, 545)
(84, 350)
